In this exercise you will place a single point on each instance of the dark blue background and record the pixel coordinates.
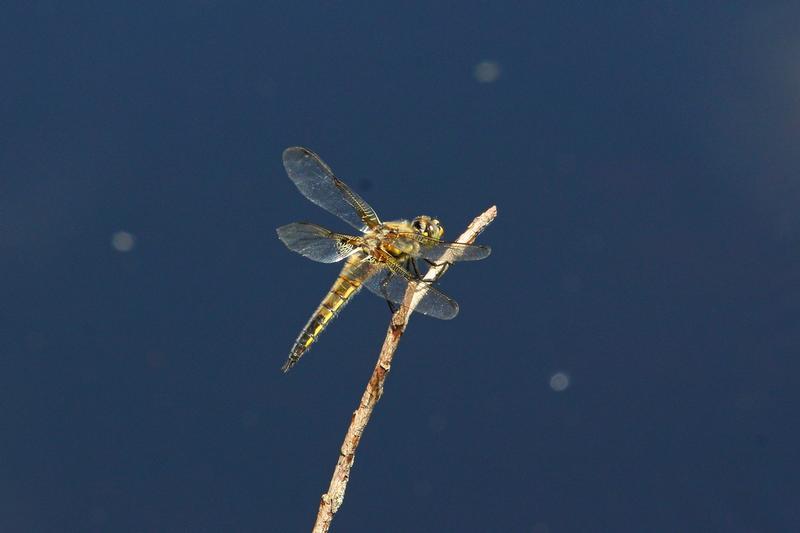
(644, 160)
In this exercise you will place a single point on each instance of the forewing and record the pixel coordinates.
(438, 251)
(316, 242)
(391, 281)
(317, 182)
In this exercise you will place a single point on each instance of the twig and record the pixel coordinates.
(332, 500)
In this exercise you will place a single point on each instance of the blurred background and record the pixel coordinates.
(625, 361)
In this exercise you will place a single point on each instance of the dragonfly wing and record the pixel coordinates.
(316, 242)
(390, 281)
(317, 182)
(450, 252)
(438, 251)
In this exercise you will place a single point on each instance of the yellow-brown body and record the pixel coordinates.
(373, 247)
(345, 286)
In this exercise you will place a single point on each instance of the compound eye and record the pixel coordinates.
(417, 225)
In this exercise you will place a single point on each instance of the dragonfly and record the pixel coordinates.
(382, 257)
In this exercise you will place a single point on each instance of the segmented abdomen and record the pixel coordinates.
(344, 288)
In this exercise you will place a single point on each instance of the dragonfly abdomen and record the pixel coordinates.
(340, 293)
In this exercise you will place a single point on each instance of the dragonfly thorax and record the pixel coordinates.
(394, 237)
(385, 240)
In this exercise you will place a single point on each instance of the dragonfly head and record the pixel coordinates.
(428, 226)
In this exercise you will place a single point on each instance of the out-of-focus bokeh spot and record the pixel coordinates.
(559, 381)
(122, 241)
(487, 71)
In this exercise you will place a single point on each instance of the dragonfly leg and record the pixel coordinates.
(444, 264)
(411, 265)
(384, 283)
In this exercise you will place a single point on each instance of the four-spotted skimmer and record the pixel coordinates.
(382, 259)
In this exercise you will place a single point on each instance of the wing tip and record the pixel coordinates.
(282, 232)
(294, 152)
(456, 309)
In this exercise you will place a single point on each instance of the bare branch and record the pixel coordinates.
(332, 500)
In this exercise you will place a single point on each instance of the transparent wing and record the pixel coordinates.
(390, 281)
(441, 251)
(316, 181)
(316, 242)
